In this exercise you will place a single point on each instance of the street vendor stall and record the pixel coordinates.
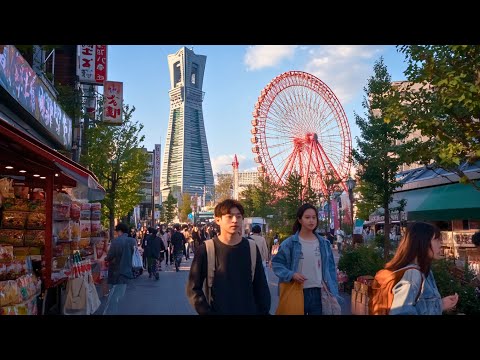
(44, 207)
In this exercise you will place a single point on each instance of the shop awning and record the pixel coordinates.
(447, 202)
(85, 178)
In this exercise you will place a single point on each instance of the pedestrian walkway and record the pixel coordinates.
(166, 296)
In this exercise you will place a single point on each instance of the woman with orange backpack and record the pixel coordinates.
(416, 292)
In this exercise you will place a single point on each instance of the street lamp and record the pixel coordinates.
(351, 185)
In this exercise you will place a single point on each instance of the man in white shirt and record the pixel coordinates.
(340, 237)
(262, 246)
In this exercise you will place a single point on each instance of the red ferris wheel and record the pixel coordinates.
(299, 126)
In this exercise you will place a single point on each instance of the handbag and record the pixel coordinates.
(291, 300)
(330, 305)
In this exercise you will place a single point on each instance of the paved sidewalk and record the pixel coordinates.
(146, 296)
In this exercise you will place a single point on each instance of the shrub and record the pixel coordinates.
(360, 260)
(450, 280)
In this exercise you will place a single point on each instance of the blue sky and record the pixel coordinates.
(234, 78)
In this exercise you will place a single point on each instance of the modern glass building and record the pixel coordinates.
(186, 161)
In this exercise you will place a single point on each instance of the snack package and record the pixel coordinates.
(75, 230)
(21, 192)
(12, 204)
(36, 220)
(9, 293)
(12, 237)
(85, 212)
(61, 212)
(14, 219)
(37, 205)
(95, 228)
(34, 237)
(6, 253)
(75, 209)
(61, 229)
(85, 228)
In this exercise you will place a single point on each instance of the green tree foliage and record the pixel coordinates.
(223, 189)
(368, 200)
(332, 184)
(185, 208)
(293, 196)
(120, 164)
(446, 109)
(309, 195)
(169, 207)
(383, 144)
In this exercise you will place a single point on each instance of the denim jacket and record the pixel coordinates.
(406, 291)
(285, 263)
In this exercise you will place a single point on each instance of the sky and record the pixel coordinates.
(234, 77)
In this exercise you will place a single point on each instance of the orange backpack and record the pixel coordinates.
(381, 297)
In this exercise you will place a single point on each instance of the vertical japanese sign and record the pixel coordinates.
(113, 102)
(92, 64)
(156, 172)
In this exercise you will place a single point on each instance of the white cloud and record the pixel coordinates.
(262, 56)
(344, 68)
(223, 163)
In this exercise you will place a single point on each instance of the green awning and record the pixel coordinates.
(447, 202)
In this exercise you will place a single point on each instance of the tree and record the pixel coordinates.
(185, 208)
(309, 195)
(368, 200)
(383, 144)
(446, 107)
(223, 190)
(293, 190)
(169, 206)
(119, 163)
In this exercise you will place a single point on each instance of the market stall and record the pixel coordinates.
(46, 209)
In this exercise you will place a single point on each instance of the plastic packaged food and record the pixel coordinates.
(14, 219)
(36, 220)
(75, 209)
(12, 237)
(34, 237)
(61, 229)
(6, 253)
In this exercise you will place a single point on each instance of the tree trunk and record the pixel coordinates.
(386, 231)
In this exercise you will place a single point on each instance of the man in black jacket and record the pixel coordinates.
(233, 291)
(153, 252)
(178, 245)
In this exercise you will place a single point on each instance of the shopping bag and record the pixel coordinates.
(290, 301)
(93, 302)
(136, 259)
(330, 305)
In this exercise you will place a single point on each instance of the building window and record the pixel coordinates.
(194, 73)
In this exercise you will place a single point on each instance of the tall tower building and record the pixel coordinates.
(235, 177)
(186, 161)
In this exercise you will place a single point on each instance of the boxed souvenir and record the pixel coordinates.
(85, 211)
(95, 228)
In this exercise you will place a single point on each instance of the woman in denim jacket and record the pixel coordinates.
(419, 247)
(307, 258)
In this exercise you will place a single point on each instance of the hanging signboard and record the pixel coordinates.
(113, 102)
(92, 64)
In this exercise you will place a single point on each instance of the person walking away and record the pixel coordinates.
(153, 252)
(178, 246)
(340, 238)
(233, 292)
(262, 246)
(416, 293)
(119, 260)
(144, 247)
(307, 258)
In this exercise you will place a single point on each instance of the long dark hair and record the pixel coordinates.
(297, 226)
(416, 244)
